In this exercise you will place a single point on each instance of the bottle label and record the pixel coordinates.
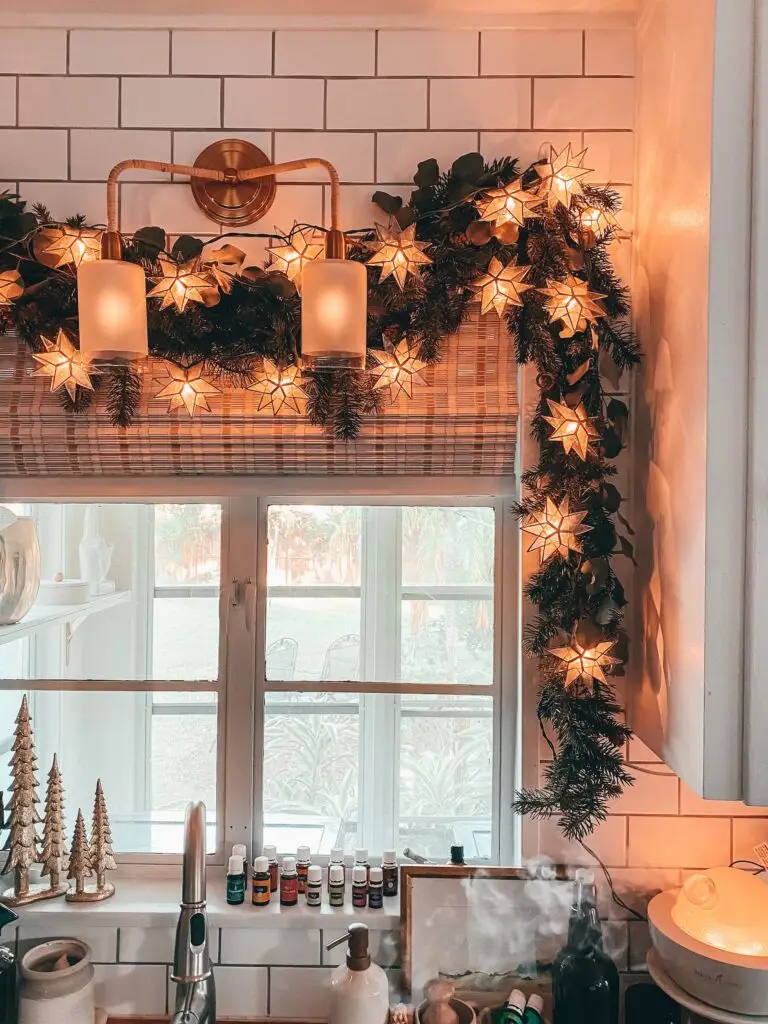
(359, 893)
(260, 892)
(313, 895)
(274, 877)
(375, 898)
(302, 870)
(390, 881)
(235, 889)
(289, 891)
(336, 896)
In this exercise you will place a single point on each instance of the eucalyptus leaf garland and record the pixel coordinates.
(578, 597)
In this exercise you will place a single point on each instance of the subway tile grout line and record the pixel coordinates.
(479, 54)
(318, 78)
(583, 53)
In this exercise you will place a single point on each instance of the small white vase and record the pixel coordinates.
(19, 569)
(95, 553)
(53, 997)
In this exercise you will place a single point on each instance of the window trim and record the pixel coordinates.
(241, 709)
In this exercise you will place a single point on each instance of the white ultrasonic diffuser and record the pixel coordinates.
(359, 988)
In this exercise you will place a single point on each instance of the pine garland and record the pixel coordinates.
(577, 595)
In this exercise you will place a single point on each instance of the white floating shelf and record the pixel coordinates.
(41, 616)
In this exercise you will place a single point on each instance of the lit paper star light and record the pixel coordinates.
(399, 369)
(585, 663)
(64, 364)
(301, 248)
(187, 388)
(572, 302)
(502, 286)
(572, 427)
(279, 386)
(11, 287)
(561, 176)
(508, 203)
(556, 530)
(181, 283)
(75, 246)
(397, 253)
(598, 221)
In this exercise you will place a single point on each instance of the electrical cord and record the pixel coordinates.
(634, 914)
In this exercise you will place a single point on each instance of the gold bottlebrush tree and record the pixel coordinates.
(54, 856)
(80, 864)
(102, 856)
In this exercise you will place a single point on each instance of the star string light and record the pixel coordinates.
(301, 248)
(399, 369)
(502, 286)
(572, 427)
(398, 253)
(64, 364)
(11, 287)
(585, 663)
(556, 530)
(181, 283)
(508, 203)
(75, 246)
(279, 386)
(572, 302)
(598, 221)
(187, 388)
(561, 176)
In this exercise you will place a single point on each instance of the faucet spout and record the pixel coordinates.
(192, 972)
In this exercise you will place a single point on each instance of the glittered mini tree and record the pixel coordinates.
(80, 863)
(23, 839)
(54, 855)
(102, 857)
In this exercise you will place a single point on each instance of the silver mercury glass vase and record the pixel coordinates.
(19, 569)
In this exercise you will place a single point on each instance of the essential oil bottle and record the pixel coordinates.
(513, 1011)
(349, 863)
(337, 857)
(336, 885)
(235, 881)
(361, 860)
(239, 850)
(359, 886)
(302, 867)
(289, 883)
(260, 888)
(314, 885)
(376, 888)
(270, 852)
(389, 869)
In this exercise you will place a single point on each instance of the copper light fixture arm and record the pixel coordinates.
(229, 176)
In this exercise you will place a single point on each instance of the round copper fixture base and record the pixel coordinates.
(233, 202)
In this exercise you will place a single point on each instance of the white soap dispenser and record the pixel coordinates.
(359, 989)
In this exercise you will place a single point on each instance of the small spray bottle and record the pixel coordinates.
(359, 989)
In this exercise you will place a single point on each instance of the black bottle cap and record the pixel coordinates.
(457, 855)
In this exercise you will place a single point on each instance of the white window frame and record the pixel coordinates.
(244, 502)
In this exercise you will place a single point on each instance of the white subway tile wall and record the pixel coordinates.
(376, 103)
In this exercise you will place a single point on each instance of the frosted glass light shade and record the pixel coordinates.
(112, 309)
(334, 298)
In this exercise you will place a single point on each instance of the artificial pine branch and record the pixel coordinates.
(123, 386)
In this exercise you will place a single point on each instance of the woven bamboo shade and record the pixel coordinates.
(464, 422)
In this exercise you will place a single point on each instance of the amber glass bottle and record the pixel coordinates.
(585, 980)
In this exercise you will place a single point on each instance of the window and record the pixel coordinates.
(349, 657)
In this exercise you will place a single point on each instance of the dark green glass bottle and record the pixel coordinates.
(7, 972)
(585, 980)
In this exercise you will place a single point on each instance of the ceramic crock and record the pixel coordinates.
(53, 997)
(19, 569)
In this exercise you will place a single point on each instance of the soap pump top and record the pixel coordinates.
(358, 955)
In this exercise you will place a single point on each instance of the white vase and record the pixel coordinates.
(55, 997)
(19, 569)
(95, 553)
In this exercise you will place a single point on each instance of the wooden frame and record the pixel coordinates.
(408, 873)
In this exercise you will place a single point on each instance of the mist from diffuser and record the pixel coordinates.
(112, 306)
(333, 313)
(725, 908)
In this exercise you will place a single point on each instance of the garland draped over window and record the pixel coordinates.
(534, 247)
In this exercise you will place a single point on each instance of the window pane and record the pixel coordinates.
(150, 765)
(313, 638)
(114, 603)
(311, 780)
(445, 781)
(447, 545)
(314, 544)
(447, 641)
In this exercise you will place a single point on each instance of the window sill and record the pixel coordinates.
(143, 901)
